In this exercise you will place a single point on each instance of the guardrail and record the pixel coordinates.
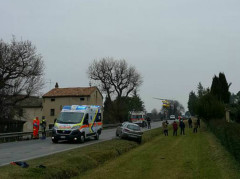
(105, 126)
(18, 136)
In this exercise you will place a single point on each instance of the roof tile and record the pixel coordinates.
(63, 92)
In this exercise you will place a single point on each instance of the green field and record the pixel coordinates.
(191, 156)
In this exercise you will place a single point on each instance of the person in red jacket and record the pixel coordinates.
(175, 128)
(36, 123)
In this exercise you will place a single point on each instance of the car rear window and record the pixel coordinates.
(133, 127)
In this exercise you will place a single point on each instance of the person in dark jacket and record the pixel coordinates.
(175, 128)
(182, 126)
(165, 128)
(43, 125)
(198, 122)
(190, 123)
(195, 126)
(149, 122)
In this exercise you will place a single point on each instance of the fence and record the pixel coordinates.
(18, 136)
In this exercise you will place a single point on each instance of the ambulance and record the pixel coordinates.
(138, 117)
(78, 122)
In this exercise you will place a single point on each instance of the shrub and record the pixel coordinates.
(235, 112)
(209, 107)
(228, 134)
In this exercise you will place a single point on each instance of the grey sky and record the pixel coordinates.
(173, 43)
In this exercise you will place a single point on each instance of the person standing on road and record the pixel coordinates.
(198, 122)
(149, 122)
(182, 126)
(190, 123)
(35, 128)
(175, 128)
(43, 125)
(195, 126)
(165, 128)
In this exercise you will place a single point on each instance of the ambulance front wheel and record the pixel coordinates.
(96, 137)
(55, 141)
(82, 138)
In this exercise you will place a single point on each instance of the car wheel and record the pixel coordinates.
(117, 134)
(139, 140)
(96, 137)
(54, 141)
(82, 138)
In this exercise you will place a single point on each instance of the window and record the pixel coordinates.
(20, 112)
(52, 99)
(52, 112)
(85, 119)
(98, 118)
(133, 127)
(86, 116)
(70, 117)
(82, 99)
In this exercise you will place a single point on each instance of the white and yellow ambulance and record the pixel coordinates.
(78, 122)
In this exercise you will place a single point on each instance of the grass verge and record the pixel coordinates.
(77, 161)
(197, 155)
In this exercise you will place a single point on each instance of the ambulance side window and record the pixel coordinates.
(98, 119)
(85, 119)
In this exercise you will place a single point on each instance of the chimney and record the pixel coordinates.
(56, 85)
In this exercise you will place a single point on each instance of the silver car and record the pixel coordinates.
(141, 123)
(129, 130)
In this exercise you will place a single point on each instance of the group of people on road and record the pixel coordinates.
(175, 126)
(36, 125)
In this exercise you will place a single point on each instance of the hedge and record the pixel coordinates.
(228, 134)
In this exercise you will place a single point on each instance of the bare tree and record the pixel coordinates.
(114, 77)
(21, 71)
(154, 113)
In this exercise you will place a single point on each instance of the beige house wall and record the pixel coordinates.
(28, 115)
(94, 99)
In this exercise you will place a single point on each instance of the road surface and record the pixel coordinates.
(26, 150)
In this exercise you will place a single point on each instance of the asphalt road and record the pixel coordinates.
(25, 150)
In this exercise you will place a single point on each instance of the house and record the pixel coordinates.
(30, 108)
(55, 99)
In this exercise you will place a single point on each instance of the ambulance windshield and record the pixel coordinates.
(70, 117)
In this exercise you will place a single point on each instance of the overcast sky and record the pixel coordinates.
(174, 44)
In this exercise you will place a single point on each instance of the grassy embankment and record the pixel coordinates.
(75, 162)
(191, 156)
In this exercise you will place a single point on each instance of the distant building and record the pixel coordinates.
(29, 109)
(55, 99)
